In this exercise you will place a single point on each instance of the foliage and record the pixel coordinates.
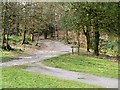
(15, 39)
(110, 47)
(37, 18)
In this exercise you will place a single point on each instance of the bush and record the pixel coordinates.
(109, 47)
(15, 39)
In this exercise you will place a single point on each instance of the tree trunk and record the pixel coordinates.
(45, 32)
(45, 35)
(88, 42)
(24, 37)
(96, 43)
(17, 29)
(51, 33)
(4, 28)
(87, 35)
(7, 43)
(38, 39)
(32, 38)
(66, 38)
(3, 39)
(57, 34)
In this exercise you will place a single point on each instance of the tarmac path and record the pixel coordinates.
(53, 49)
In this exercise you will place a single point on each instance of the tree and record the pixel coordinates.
(83, 20)
(6, 21)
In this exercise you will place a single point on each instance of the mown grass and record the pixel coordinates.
(18, 78)
(99, 67)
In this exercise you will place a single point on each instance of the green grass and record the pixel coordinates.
(99, 67)
(11, 55)
(18, 78)
(15, 39)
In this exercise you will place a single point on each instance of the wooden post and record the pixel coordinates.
(78, 47)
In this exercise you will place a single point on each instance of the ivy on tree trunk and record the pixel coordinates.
(87, 35)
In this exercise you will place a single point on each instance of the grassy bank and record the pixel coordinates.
(99, 67)
(19, 78)
(11, 55)
(19, 50)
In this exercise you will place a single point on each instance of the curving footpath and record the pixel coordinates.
(53, 49)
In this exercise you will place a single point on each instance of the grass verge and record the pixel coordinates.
(11, 55)
(99, 67)
(18, 78)
(20, 50)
